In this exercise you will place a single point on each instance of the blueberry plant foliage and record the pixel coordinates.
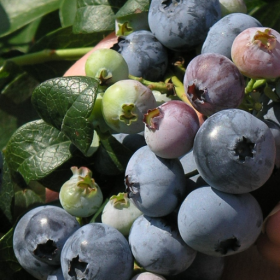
(45, 123)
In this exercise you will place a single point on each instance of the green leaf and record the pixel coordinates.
(66, 103)
(21, 39)
(16, 83)
(25, 200)
(47, 70)
(6, 190)
(67, 12)
(20, 88)
(64, 38)
(16, 14)
(96, 16)
(8, 71)
(133, 7)
(36, 149)
(8, 262)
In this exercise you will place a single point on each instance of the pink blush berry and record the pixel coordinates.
(256, 53)
(170, 129)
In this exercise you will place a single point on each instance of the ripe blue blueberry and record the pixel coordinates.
(39, 237)
(234, 151)
(218, 223)
(96, 251)
(158, 247)
(145, 56)
(182, 24)
(156, 185)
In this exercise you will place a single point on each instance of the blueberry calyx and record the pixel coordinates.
(46, 250)
(264, 39)
(124, 29)
(130, 188)
(78, 269)
(127, 115)
(104, 76)
(197, 94)
(168, 3)
(230, 244)
(152, 118)
(244, 148)
(120, 200)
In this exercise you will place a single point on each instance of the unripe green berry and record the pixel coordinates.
(80, 195)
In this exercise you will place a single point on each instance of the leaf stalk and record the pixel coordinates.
(50, 55)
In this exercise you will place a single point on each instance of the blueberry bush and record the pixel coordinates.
(51, 125)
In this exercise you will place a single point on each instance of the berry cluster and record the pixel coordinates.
(193, 97)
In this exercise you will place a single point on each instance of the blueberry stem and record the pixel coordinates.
(159, 86)
(137, 269)
(249, 87)
(49, 55)
(99, 211)
(180, 90)
(254, 84)
(191, 174)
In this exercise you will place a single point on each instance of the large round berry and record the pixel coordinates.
(96, 251)
(158, 247)
(80, 196)
(212, 83)
(234, 151)
(106, 65)
(156, 185)
(256, 53)
(219, 224)
(124, 104)
(145, 56)
(170, 129)
(182, 24)
(39, 237)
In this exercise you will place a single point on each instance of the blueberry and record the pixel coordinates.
(96, 251)
(182, 25)
(173, 115)
(106, 65)
(223, 89)
(158, 247)
(222, 34)
(156, 185)
(123, 105)
(234, 151)
(145, 56)
(255, 51)
(38, 238)
(43, 233)
(219, 224)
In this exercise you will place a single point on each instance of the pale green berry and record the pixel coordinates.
(120, 212)
(106, 65)
(80, 195)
